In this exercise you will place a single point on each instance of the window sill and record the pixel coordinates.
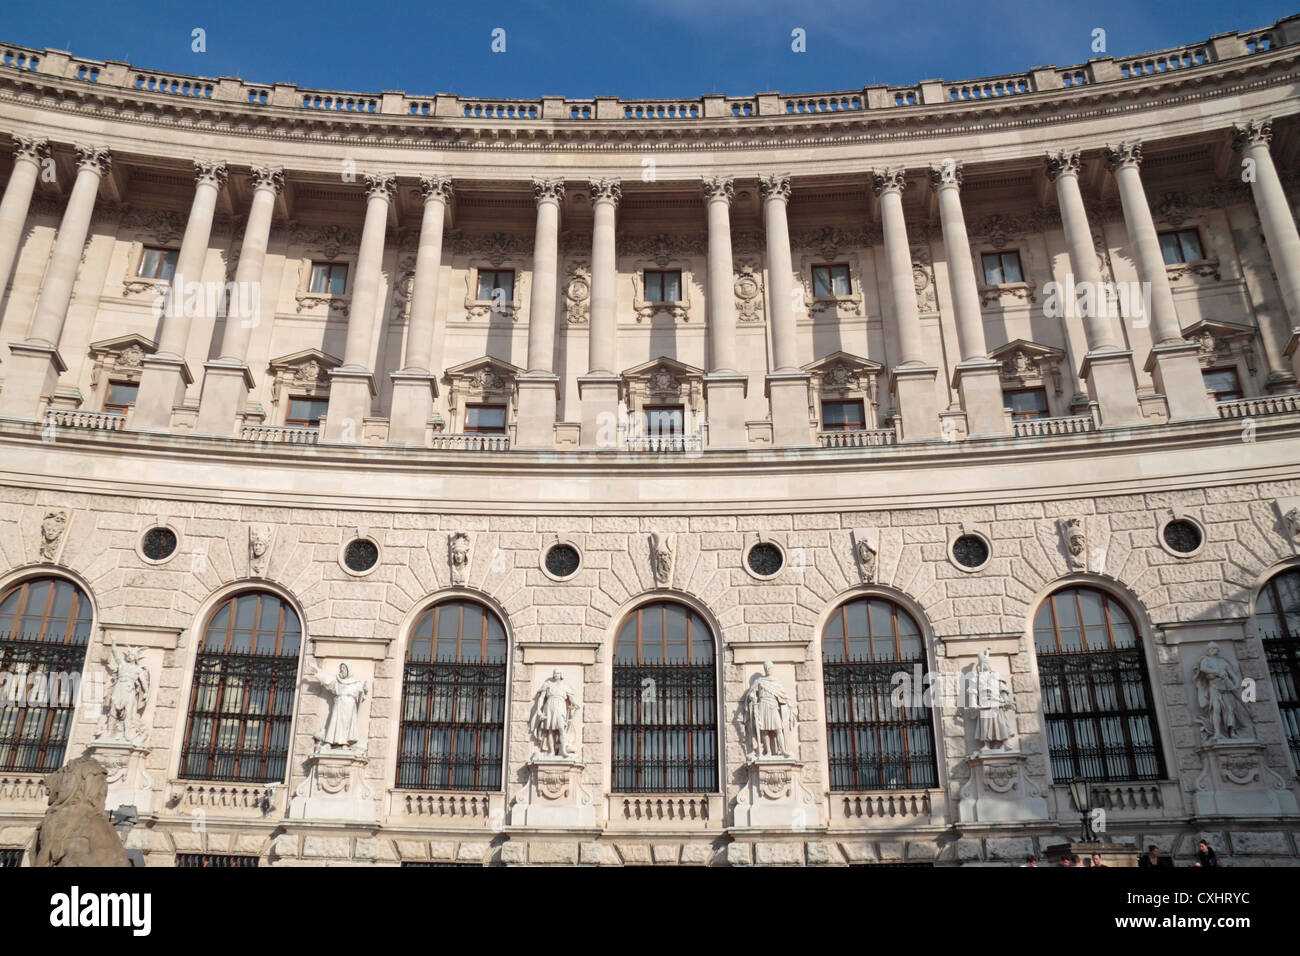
(312, 300)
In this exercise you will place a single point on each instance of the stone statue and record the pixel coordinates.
(553, 711)
(661, 557)
(75, 830)
(259, 544)
(1218, 693)
(347, 693)
(1292, 519)
(991, 707)
(125, 697)
(769, 711)
(459, 546)
(1076, 542)
(52, 526)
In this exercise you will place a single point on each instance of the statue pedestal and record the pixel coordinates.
(1236, 780)
(554, 796)
(774, 797)
(129, 785)
(998, 790)
(334, 789)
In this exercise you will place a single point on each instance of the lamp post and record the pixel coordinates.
(1081, 796)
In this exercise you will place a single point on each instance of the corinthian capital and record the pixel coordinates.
(1253, 133)
(607, 189)
(1125, 154)
(548, 189)
(719, 187)
(437, 187)
(212, 173)
(774, 186)
(381, 186)
(97, 158)
(31, 148)
(268, 177)
(1063, 162)
(947, 173)
(888, 180)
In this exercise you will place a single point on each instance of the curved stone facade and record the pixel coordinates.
(843, 327)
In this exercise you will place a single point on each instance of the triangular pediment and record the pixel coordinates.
(297, 360)
(846, 359)
(1221, 330)
(122, 343)
(499, 367)
(662, 364)
(1033, 350)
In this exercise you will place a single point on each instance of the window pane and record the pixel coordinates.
(822, 282)
(1030, 403)
(320, 278)
(1170, 248)
(1011, 267)
(1223, 383)
(1190, 242)
(672, 286)
(121, 393)
(992, 269)
(840, 280)
(169, 263)
(485, 418)
(307, 411)
(665, 420)
(338, 279)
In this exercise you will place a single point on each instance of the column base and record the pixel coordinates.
(163, 380)
(535, 425)
(1176, 371)
(979, 383)
(225, 393)
(913, 388)
(787, 394)
(598, 395)
(724, 398)
(1110, 382)
(351, 392)
(31, 376)
(413, 395)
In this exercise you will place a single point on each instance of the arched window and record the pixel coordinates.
(1101, 724)
(1277, 613)
(241, 705)
(454, 700)
(872, 743)
(665, 703)
(44, 627)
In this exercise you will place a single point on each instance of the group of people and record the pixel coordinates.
(1205, 856)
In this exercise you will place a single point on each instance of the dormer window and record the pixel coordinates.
(1183, 245)
(830, 281)
(330, 278)
(158, 263)
(1002, 268)
(663, 285)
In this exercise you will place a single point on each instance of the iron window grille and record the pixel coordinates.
(216, 861)
(1277, 613)
(1097, 703)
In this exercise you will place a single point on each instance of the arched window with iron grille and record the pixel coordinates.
(454, 700)
(665, 702)
(872, 742)
(44, 627)
(1277, 614)
(1101, 722)
(241, 703)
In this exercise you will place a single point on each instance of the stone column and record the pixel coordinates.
(35, 364)
(911, 380)
(598, 389)
(227, 380)
(787, 384)
(165, 375)
(977, 378)
(29, 154)
(1280, 234)
(1108, 366)
(416, 385)
(724, 387)
(352, 384)
(1172, 364)
(539, 386)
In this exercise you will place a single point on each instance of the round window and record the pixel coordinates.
(970, 551)
(1182, 536)
(159, 543)
(765, 559)
(562, 561)
(361, 555)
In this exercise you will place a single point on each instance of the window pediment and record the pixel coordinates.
(1221, 342)
(485, 380)
(122, 358)
(304, 373)
(1028, 364)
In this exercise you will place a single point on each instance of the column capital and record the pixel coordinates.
(1063, 162)
(548, 189)
(888, 181)
(214, 173)
(31, 148)
(95, 158)
(1253, 133)
(721, 188)
(610, 190)
(268, 177)
(437, 187)
(381, 186)
(1124, 155)
(774, 186)
(947, 173)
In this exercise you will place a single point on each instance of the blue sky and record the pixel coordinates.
(617, 47)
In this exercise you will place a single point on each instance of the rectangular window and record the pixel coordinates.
(306, 412)
(664, 285)
(158, 263)
(329, 277)
(1223, 383)
(664, 421)
(496, 285)
(120, 397)
(1002, 268)
(830, 281)
(842, 416)
(219, 861)
(1026, 403)
(485, 419)
(1183, 245)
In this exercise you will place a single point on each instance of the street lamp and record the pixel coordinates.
(1081, 796)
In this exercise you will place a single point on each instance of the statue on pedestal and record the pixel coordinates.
(769, 712)
(991, 707)
(126, 696)
(1218, 693)
(347, 693)
(553, 711)
(75, 830)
